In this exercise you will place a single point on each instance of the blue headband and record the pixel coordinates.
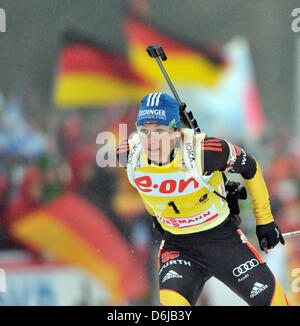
(161, 109)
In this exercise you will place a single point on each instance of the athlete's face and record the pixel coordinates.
(157, 141)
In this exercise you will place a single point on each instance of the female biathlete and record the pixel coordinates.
(179, 176)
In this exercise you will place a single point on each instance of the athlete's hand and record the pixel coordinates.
(268, 236)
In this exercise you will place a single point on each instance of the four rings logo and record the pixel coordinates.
(243, 268)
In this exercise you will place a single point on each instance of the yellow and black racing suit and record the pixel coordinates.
(201, 239)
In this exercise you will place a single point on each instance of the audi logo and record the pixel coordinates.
(243, 268)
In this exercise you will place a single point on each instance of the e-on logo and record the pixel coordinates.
(157, 184)
(168, 186)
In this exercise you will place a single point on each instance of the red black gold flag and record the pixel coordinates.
(74, 231)
(187, 64)
(89, 75)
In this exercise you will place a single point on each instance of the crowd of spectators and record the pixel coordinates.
(68, 164)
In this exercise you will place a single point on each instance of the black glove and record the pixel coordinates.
(269, 235)
(234, 192)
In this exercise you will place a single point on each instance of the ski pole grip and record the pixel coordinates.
(156, 51)
(264, 243)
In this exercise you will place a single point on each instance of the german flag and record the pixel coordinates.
(74, 231)
(187, 64)
(89, 75)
